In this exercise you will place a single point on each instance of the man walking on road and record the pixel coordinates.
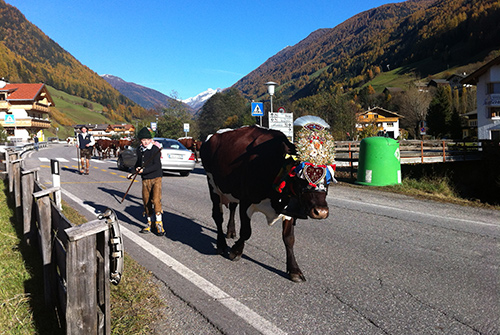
(85, 143)
(148, 165)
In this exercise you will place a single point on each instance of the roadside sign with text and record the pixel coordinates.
(282, 122)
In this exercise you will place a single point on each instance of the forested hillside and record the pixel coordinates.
(422, 37)
(28, 55)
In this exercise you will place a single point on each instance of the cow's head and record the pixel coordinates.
(313, 170)
(306, 185)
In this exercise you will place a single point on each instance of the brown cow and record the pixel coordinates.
(191, 144)
(251, 166)
(105, 147)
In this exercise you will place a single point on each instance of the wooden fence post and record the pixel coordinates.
(444, 152)
(11, 157)
(422, 151)
(88, 309)
(44, 218)
(16, 176)
(28, 185)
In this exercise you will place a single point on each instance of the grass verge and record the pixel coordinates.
(135, 302)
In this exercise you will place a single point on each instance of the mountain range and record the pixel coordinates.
(422, 37)
(150, 98)
(141, 95)
(199, 100)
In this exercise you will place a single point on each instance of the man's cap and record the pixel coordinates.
(144, 133)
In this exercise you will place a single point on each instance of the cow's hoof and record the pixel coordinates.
(234, 256)
(222, 251)
(297, 277)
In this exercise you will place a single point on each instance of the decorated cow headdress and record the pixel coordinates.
(315, 148)
(316, 151)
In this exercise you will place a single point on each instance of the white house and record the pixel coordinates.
(385, 121)
(487, 80)
(24, 110)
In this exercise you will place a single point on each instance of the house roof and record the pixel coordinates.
(394, 89)
(438, 82)
(381, 111)
(473, 78)
(26, 92)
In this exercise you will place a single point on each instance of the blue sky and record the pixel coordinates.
(183, 46)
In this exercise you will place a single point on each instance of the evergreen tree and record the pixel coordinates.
(439, 114)
(224, 110)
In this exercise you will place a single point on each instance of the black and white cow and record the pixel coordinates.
(254, 167)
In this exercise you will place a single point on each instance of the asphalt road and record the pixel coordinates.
(381, 263)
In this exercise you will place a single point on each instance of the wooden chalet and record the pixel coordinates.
(24, 110)
(387, 122)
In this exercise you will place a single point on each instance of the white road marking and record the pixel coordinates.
(422, 213)
(255, 320)
(45, 159)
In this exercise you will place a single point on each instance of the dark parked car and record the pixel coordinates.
(174, 157)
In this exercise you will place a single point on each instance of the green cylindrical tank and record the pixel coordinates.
(379, 162)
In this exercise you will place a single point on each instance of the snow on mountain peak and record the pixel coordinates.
(198, 101)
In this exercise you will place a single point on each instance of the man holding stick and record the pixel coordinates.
(148, 165)
(85, 143)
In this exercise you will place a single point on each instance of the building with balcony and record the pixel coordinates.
(24, 110)
(386, 122)
(487, 81)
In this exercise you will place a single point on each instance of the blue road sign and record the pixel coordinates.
(257, 109)
(10, 119)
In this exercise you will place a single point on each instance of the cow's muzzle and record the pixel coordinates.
(318, 212)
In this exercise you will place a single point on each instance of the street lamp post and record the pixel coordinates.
(270, 89)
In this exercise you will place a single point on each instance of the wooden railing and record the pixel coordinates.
(414, 151)
(76, 259)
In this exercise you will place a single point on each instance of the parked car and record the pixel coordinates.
(174, 157)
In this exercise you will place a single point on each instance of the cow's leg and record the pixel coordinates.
(292, 268)
(245, 233)
(231, 229)
(218, 219)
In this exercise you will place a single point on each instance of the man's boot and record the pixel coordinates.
(159, 228)
(147, 230)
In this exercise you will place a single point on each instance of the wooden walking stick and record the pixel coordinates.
(129, 186)
(78, 157)
(137, 172)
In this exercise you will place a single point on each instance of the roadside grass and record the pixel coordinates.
(439, 187)
(435, 188)
(22, 308)
(135, 302)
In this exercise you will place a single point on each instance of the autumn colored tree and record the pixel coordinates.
(413, 104)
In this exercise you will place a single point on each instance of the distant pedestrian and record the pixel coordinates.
(85, 143)
(148, 165)
(35, 140)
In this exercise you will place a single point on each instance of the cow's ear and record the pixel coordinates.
(290, 148)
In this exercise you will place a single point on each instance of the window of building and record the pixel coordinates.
(3, 96)
(494, 112)
(390, 124)
(493, 88)
(495, 135)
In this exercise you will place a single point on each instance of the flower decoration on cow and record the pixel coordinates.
(316, 152)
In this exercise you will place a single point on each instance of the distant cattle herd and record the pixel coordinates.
(106, 147)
